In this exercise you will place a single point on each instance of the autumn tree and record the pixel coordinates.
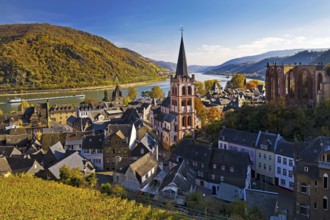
(208, 84)
(252, 84)
(199, 87)
(24, 105)
(213, 114)
(1, 112)
(201, 110)
(132, 93)
(156, 92)
(237, 81)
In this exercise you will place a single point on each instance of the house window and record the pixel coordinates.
(278, 170)
(270, 157)
(290, 173)
(259, 165)
(265, 166)
(214, 166)
(86, 151)
(231, 169)
(220, 145)
(325, 203)
(142, 151)
(225, 146)
(291, 163)
(306, 169)
(222, 178)
(315, 183)
(213, 177)
(202, 165)
(223, 167)
(315, 205)
(303, 209)
(325, 181)
(284, 161)
(264, 156)
(200, 173)
(259, 155)
(284, 172)
(269, 167)
(303, 188)
(291, 185)
(279, 159)
(282, 182)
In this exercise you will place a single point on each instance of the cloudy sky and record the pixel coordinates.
(215, 30)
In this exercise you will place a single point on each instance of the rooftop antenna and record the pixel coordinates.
(181, 29)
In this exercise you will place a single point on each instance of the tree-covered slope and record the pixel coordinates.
(34, 56)
(32, 198)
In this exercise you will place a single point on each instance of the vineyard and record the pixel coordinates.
(31, 198)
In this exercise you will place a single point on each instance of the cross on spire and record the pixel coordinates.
(181, 29)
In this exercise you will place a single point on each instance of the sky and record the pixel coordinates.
(215, 31)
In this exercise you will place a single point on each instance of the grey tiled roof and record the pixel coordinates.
(93, 142)
(181, 175)
(265, 201)
(235, 136)
(169, 117)
(311, 151)
(166, 102)
(268, 139)
(285, 148)
(7, 151)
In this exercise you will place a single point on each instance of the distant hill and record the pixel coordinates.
(172, 66)
(43, 56)
(255, 67)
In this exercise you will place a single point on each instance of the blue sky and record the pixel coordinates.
(215, 30)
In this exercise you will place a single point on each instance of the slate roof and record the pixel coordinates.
(93, 142)
(268, 204)
(116, 93)
(235, 136)
(238, 160)
(72, 161)
(285, 148)
(144, 164)
(169, 117)
(268, 139)
(49, 139)
(166, 102)
(62, 108)
(18, 140)
(125, 129)
(131, 116)
(20, 164)
(123, 165)
(8, 151)
(57, 150)
(181, 67)
(312, 150)
(181, 175)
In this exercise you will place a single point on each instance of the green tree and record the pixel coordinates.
(156, 92)
(74, 177)
(132, 93)
(237, 81)
(105, 98)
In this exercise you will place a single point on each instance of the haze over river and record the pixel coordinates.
(97, 94)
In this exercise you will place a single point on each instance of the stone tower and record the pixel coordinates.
(182, 94)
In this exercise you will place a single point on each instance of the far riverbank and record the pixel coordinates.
(78, 89)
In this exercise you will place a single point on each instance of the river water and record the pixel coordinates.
(98, 94)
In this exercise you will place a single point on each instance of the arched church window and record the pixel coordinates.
(189, 90)
(183, 121)
(183, 102)
(189, 120)
(183, 90)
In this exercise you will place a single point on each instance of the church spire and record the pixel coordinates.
(181, 67)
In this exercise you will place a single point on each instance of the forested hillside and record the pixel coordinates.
(43, 56)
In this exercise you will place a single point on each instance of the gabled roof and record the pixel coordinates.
(265, 201)
(181, 175)
(285, 148)
(125, 130)
(181, 67)
(169, 117)
(144, 164)
(311, 151)
(4, 166)
(57, 150)
(20, 164)
(268, 139)
(123, 165)
(166, 102)
(116, 93)
(235, 136)
(8, 151)
(93, 142)
(72, 161)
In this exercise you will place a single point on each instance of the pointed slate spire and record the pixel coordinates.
(181, 67)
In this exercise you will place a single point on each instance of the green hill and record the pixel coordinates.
(32, 198)
(43, 56)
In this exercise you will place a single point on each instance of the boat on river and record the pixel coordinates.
(19, 100)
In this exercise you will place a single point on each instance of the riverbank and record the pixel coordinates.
(34, 92)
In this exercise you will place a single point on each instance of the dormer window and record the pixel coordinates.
(231, 169)
(306, 169)
(214, 166)
(223, 167)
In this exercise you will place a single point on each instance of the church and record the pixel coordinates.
(297, 84)
(176, 118)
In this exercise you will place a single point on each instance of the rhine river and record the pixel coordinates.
(98, 94)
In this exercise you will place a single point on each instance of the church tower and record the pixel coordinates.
(182, 94)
